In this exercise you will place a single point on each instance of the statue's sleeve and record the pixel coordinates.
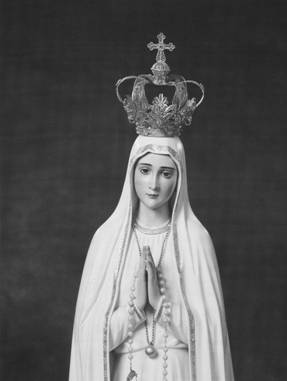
(119, 325)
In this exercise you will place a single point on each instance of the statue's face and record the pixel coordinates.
(155, 179)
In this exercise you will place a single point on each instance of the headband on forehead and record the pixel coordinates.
(153, 148)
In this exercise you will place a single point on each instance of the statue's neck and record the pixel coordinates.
(152, 217)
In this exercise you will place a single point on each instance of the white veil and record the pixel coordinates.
(198, 277)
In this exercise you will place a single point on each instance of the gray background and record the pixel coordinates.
(65, 141)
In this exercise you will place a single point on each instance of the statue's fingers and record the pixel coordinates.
(151, 274)
(142, 263)
(153, 269)
(150, 258)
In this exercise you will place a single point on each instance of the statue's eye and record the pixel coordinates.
(167, 174)
(144, 170)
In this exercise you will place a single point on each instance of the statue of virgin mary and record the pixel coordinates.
(150, 304)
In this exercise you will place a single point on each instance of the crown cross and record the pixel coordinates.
(161, 47)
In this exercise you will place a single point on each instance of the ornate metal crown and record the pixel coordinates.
(159, 118)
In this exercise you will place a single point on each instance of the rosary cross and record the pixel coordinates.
(161, 47)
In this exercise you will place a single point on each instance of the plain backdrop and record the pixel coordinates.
(65, 140)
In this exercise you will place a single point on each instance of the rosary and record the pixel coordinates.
(150, 349)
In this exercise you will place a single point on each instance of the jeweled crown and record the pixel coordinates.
(159, 118)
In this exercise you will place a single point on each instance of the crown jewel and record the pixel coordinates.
(159, 118)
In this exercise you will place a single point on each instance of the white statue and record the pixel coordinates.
(150, 304)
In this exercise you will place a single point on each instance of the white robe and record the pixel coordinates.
(177, 341)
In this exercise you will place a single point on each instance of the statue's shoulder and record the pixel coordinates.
(198, 229)
(103, 232)
(200, 234)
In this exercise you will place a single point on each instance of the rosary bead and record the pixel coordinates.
(163, 297)
(162, 290)
(130, 333)
(165, 357)
(164, 372)
(130, 326)
(162, 282)
(159, 274)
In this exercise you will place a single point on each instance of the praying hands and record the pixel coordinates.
(147, 285)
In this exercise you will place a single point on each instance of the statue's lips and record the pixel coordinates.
(152, 195)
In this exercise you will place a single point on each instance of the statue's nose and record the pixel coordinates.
(154, 185)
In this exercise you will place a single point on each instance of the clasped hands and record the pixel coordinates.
(147, 288)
